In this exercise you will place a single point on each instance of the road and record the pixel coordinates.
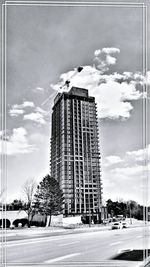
(80, 249)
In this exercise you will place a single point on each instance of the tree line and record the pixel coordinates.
(128, 209)
(46, 198)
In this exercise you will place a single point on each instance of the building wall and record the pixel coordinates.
(75, 157)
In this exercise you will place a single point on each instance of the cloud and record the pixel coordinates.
(110, 60)
(17, 110)
(38, 89)
(42, 111)
(103, 59)
(113, 97)
(124, 182)
(17, 143)
(35, 117)
(97, 52)
(113, 92)
(138, 155)
(130, 159)
(128, 172)
(25, 104)
(112, 160)
(111, 50)
(39, 116)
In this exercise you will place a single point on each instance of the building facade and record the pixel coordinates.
(75, 153)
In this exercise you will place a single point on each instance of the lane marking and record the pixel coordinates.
(46, 239)
(29, 241)
(115, 243)
(62, 258)
(61, 245)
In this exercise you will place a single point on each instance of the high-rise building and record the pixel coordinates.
(75, 155)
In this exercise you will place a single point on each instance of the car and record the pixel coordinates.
(117, 225)
(125, 224)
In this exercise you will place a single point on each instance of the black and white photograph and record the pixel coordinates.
(74, 136)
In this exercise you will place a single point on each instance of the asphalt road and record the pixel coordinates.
(80, 249)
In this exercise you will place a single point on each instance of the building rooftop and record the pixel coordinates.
(78, 91)
(74, 91)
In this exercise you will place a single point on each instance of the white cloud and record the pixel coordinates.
(113, 101)
(107, 50)
(136, 155)
(25, 104)
(35, 117)
(112, 160)
(110, 60)
(124, 183)
(17, 143)
(113, 97)
(103, 59)
(127, 74)
(139, 155)
(39, 116)
(113, 92)
(42, 111)
(110, 50)
(39, 89)
(128, 172)
(97, 53)
(16, 112)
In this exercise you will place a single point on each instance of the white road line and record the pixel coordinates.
(62, 258)
(46, 239)
(115, 243)
(29, 241)
(61, 245)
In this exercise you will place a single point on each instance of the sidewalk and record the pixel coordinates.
(53, 231)
(34, 231)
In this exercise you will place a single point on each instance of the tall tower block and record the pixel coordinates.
(75, 153)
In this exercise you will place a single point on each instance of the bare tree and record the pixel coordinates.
(29, 189)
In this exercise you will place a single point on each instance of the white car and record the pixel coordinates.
(117, 225)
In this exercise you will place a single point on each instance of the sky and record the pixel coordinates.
(45, 46)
